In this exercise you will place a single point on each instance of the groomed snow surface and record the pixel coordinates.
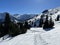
(35, 36)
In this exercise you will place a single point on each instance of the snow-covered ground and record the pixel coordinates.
(32, 37)
(35, 36)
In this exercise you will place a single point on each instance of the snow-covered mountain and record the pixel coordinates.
(50, 12)
(24, 17)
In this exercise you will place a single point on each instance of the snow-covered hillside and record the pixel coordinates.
(51, 12)
(36, 36)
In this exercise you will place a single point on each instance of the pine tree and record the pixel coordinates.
(25, 27)
(7, 24)
(14, 30)
(1, 30)
(41, 21)
(9, 27)
(21, 27)
(46, 23)
(51, 23)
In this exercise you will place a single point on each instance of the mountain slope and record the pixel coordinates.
(24, 17)
(51, 12)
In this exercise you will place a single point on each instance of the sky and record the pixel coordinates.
(27, 6)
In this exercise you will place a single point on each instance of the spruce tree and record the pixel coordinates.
(46, 23)
(21, 27)
(1, 30)
(41, 21)
(25, 27)
(14, 30)
(9, 27)
(7, 24)
(51, 23)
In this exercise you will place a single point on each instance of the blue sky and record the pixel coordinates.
(27, 6)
